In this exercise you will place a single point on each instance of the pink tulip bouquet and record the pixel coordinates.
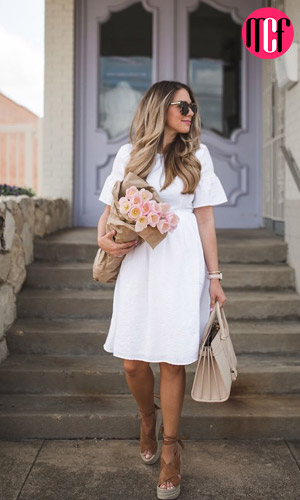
(137, 213)
(138, 206)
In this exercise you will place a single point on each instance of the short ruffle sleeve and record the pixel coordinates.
(117, 173)
(209, 190)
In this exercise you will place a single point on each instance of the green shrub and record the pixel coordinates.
(6, 190)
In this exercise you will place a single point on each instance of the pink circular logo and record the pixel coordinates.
(267, 33)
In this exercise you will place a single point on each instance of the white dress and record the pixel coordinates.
(161, 298)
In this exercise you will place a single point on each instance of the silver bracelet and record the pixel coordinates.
(216, 275)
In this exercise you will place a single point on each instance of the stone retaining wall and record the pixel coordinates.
(21, 219)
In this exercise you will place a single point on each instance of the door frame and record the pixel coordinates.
(166, 56)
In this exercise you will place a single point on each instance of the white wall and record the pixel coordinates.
(281, 197)
(59, 100)
(292, 139)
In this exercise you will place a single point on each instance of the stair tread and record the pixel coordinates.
(262, 294)
(61, 325)
(264, 326)
(100, 293)
(105, 405)
(66, 326)
(89, 235)
(247, 363)
(243, 241)
(238, 266)
(45, 264)
(73, 293)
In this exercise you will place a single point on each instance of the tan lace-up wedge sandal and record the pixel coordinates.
(150, 441)
(171, 471)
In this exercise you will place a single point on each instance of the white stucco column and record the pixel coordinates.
(58, 130)
(281, 196)
(292, 123)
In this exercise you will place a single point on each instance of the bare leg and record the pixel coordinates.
(140, 380)
(172, 390)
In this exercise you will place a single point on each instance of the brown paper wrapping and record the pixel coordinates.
(106, 266)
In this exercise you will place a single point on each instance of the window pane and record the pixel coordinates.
(215, 68)
(125, 67)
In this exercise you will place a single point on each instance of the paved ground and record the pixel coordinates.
(112, 470)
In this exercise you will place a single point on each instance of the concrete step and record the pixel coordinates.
(57, 336)
(234, 245)
(250, 246)
(64, 303)
(41, 374)
(73, 244)
(252, 305)
(265, 336)
(86, 337)
(59, 275)
(258, 276)
(262, 304)
(116, 417)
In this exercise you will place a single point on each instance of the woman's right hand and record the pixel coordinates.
(107, 244)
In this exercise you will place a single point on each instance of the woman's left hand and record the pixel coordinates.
(216, 293)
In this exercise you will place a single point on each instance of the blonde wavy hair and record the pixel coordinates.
(147, 132)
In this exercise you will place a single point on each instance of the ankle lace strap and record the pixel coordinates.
(171, 439)
(148, 413)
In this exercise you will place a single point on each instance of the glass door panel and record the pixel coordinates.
(214, 71)
(125, 67)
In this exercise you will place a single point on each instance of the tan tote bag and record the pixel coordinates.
(216, 368)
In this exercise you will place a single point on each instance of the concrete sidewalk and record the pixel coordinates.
(112, 470)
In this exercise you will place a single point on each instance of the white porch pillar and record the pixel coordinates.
(57, 170)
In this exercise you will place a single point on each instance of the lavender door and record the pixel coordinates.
(123, 47)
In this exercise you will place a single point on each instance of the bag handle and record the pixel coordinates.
(207, 328)
(219, 312)
(224, 333)
(222, 321)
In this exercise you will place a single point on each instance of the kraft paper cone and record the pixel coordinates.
(106, 266)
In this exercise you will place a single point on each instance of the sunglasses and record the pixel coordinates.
(184, 107)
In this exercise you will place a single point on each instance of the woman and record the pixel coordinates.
(162, 295)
